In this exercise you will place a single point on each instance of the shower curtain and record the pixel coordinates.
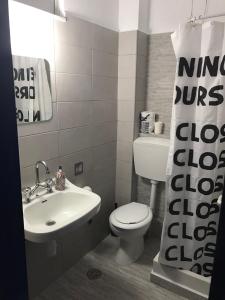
(196, 162)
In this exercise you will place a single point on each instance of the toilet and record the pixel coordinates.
(131, 221)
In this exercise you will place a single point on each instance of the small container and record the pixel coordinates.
(147, 119)
(60, 180)
(158, 127)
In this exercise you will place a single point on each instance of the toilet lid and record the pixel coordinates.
(132, 213)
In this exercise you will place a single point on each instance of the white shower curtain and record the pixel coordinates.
(196, 162)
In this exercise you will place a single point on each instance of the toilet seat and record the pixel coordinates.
(147, 212)
(132, 213)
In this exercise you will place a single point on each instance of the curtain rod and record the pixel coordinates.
(194, 19)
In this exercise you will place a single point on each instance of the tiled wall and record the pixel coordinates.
(131, 100)
(83, 128)
(160, 83)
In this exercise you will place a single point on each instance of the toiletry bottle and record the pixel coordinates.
(60, 180)
(147, 120)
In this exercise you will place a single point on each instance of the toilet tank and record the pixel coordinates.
(150, 157)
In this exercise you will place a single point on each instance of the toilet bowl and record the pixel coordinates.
(130, 222)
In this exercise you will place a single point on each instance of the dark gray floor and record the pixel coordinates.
(116, 283)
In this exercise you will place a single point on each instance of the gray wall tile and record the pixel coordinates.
(142, 43)
(36, 147)
(125, 111)
(102, 111)
(68, 162)
(103, 133)
(73, 87)
(75, 139)
(74, 32)
(73, 60)
(104, 64)
(128, 42)
(125, 131)
(127, 66)
(102, 153)
(125, 151)
(160, 80)
(105, 39)
(126, 89)
(104, 88)
(73, 114)
(123, 191)
(123, 169)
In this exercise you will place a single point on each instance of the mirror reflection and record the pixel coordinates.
(32, 89)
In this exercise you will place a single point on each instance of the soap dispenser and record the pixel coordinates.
(60, 179)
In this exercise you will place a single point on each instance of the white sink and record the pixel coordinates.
(48, 216)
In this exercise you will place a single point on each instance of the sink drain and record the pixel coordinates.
(50, 222)
(93, 274)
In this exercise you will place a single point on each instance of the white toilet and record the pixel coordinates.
(130, 222)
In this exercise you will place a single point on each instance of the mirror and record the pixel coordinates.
(32, 89)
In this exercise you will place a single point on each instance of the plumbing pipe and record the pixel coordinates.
(153, 194)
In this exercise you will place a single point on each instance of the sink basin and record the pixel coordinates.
(48, 216)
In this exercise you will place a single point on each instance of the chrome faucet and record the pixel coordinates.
(28, 192)
(43, 163)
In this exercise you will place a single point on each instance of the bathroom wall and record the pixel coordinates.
(160, 83)
(84, 70)
(132, 69)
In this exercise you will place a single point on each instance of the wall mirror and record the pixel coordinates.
(32, 89)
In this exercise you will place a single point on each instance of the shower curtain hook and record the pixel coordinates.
(206, 8)
(205, 12)
(192, 18)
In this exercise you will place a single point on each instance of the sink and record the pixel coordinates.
(49, 216)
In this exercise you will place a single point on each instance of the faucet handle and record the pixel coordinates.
(26, 191)
(49, 185)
